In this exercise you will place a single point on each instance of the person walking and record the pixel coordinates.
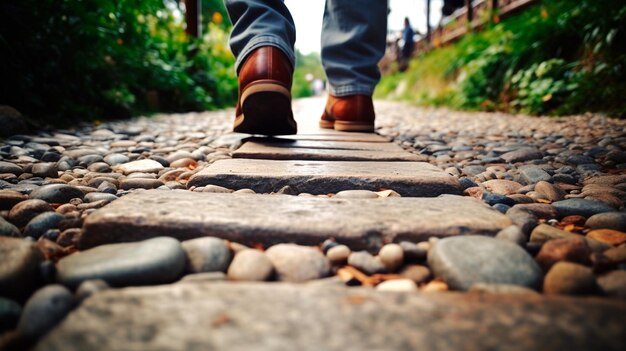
(407, 48)
(262, 40)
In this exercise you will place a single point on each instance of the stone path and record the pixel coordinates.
(500, 207)
(281, 316)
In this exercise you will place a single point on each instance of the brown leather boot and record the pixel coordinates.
(264, 104)
(354, 113)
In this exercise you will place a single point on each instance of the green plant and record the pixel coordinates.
(64, 60)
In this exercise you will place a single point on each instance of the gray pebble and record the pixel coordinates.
(41, 223)
(44, 310)
(296, 263)
(57, 193)
(250, 265)
(365, 262)
(207, 255)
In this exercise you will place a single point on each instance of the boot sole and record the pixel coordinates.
(327, 124)
(353, 127)
(266, 110)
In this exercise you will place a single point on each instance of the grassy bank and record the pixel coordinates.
(559, 57)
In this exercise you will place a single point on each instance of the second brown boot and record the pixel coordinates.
(264, 104)
(354, 113)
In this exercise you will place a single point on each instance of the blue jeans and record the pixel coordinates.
(353, 38)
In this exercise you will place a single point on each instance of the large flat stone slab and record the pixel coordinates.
(282, 316)
(271, 219)
(321, 177)
(285, 149)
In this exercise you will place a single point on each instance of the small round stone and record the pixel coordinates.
(418, 274)
(250, 265)
(413, 252)
(296, 263)
(42, 223)
(207, 255)
(569, 279)
(8, 229)
(57, 193)
(365, 262)
(23, 212)
(613, 284)
(44, 310)
(607, 220)
(338, 254)
(513, 234)
(45, 170)
(392, 256)
(397, 285)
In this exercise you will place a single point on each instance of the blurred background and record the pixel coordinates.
(68, 60)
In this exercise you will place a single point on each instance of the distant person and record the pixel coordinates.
(407, 48)
(263, 38)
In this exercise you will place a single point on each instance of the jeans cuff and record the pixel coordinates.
(265, 40)
(353, 89)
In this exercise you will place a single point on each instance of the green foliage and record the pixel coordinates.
(559, 57)
(78, 59)
(307, 67)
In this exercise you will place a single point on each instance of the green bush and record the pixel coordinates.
(85, 59)
(558, 57)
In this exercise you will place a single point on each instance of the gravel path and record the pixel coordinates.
(556, 188)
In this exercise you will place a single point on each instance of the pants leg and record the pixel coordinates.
(259, 23)
(353, 41)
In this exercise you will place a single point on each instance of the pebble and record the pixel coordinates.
(521, 155)
(550, 191)
(57, 193)
(296, 263)
(613, 284)
(143, 166)
(8, 167)
(607, 220)
(338, 255)
(90, 287)
(43, 170)
(44, 310)
(9, 198)
(8, 229)
(140, 183)
(512, 234)
(392, 256)
(570, 249)
(116, 159)
(465, 260)
(207, 255)
(608, 236)
(568, 278)
(365, 262)
(42, 223)
(533, 174)
(96, 196)
(544, 232)
(250, 265)
(356, 194)
(154, 261)
(397, 285)
(502, 187)
(417, 273)
(69, 237)
(9, 314)
(26, 210)
(583, 207)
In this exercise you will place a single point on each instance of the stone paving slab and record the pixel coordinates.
(285, 149)
(317, 316)
(271, 219)
(320, 177)
(337, 136)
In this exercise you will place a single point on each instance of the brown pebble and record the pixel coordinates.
(573, 249)
(69, 237)
(26, 210)
(608, 236)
